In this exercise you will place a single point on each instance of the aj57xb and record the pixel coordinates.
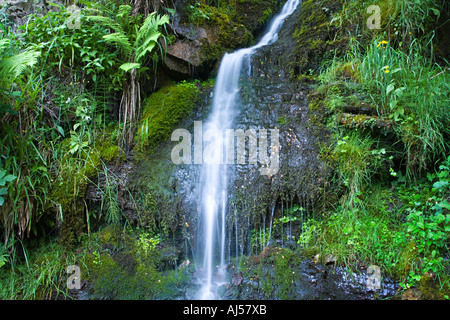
(246, 309)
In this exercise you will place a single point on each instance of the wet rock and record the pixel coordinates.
(311, 281)
(184, 264)
(236, 279)
(184, 57)
(198, 47)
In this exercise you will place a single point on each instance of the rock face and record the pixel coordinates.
(291, 276)
(198, 46)
(184, 56)
(268, 101)
(16, 11)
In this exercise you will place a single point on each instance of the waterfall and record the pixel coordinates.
(214, 173)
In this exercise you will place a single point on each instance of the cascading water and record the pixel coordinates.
(214, 174)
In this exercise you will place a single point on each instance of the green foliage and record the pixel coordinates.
(275, 270)
(136, 270)
(133, 43)
(146, 242)
(82, 50)
(356, 162)
(403, 20)
(404, 230)
(310, 232)
(197, 15)
(12, 67)
(358, 235)
(21, 156)
(259, 239)
(427, 223)
(3, 179)
(41, 276)
(135, 40)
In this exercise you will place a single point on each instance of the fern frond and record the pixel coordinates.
(151, 25)
(129, 65)
(124, 10)
(107, 22)
(148, 34)
(4, 43)
(121, 40)
(14, 66)
(147, 46)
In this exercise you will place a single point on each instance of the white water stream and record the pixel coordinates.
(214, 175)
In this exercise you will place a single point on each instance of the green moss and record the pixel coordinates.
(348, 71)
(430, 288)
(163, 110)
(122, 268)
(75, 172)
(317, 40)
(255, 14)
(228, 33)
(111, 235)
(274, 267)
(407, 258)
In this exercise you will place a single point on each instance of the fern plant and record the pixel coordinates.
(134, 44)
(13, 66)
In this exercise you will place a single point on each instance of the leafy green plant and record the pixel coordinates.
(356, 162)
(80, 137)
(13, 66)
(259, 239)
(147, 241)
(3, 257)
(427, 224)
(110, 198)
(413, 92)
(83, 50)
(197, 13)
(3, 179)
(135, 41)
(310, 231)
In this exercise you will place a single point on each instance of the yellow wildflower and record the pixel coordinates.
(381, 43)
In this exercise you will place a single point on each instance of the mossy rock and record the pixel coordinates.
(112, 235)
(227, 35)
(407, 258)
(121, 268)
(255, 14)
(316, 39)
(162, 111)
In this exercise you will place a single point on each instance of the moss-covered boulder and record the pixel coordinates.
(163, 110)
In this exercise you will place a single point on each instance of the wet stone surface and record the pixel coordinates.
(311, 281)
